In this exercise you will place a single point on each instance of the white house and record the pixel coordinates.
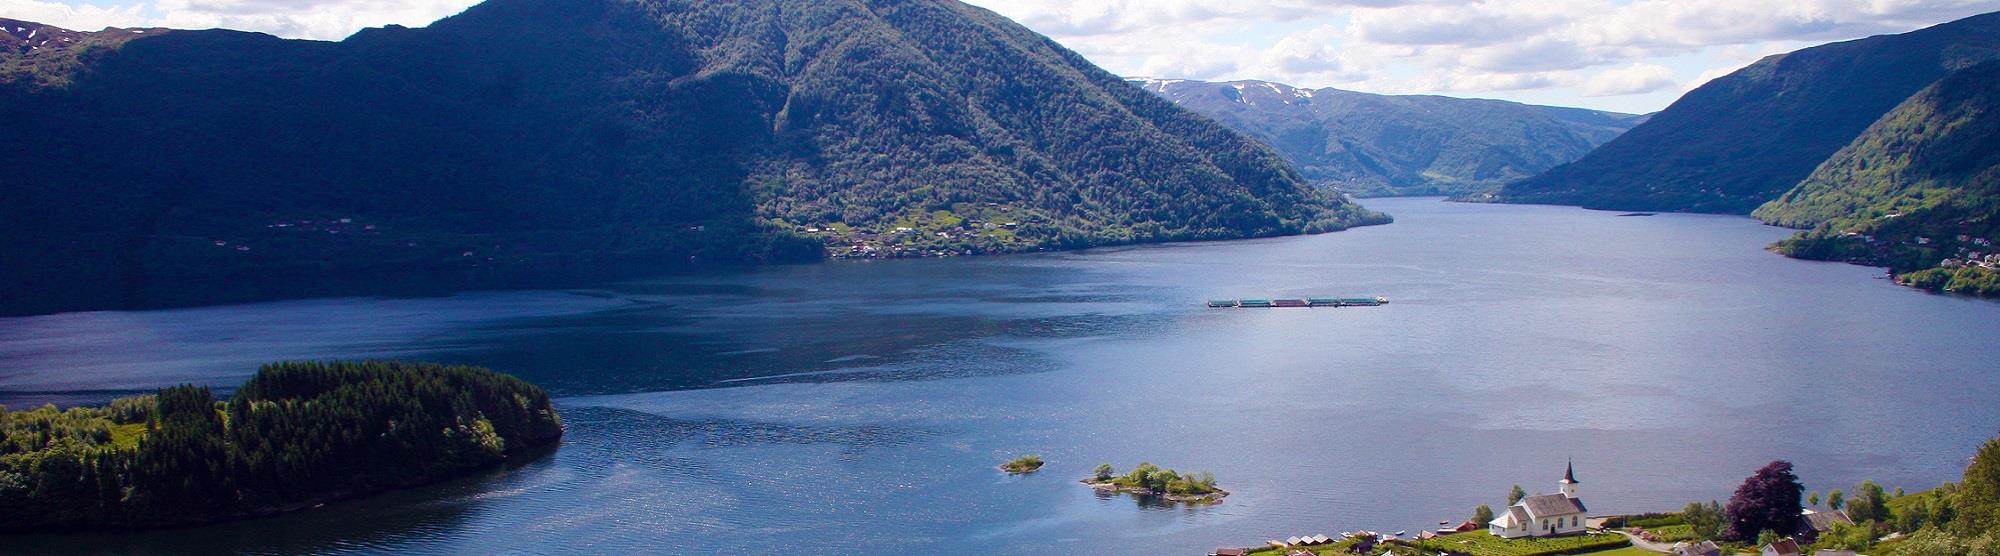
(1544, 515)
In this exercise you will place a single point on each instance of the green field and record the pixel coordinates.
(1481, 543)
(1324, 550)
(1626, 551)
(126, 436)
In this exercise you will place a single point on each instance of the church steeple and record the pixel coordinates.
(1569, 480)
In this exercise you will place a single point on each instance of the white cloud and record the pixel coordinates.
(312, 19)
(1458, 25)
(1572, 50)
(1577, 51)
(1629, 80)
(302, 19)
(85, 17)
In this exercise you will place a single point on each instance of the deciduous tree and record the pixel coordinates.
(1706, 520)
(1767, 501)
(1870, 503)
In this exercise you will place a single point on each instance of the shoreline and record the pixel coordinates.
(513, 459)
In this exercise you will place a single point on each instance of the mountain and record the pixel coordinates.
(1372, 144)
(1919, 191)
(531, 139)
(1747, 137)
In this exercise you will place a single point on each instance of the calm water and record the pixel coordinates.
(857, 406)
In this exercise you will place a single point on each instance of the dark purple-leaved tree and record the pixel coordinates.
(1767, 501)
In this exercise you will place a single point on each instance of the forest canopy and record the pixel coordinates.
(295, 434)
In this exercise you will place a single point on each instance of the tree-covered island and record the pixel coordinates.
(293, 436)
(1152, 480)
(1023, 464)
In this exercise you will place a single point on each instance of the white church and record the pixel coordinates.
(1544, 515)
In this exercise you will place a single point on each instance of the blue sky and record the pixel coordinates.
(1625, 55)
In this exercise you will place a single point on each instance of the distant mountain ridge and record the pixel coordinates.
(564, 137)
(1371, 144)
(1750, 136)
(30, 50)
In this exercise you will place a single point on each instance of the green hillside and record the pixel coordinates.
(538, 141)
(1919, 191)
(1748, 137)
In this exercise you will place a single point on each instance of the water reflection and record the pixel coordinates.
(385, 522)
(856, 408)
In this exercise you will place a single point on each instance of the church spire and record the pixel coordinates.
(1568, 484)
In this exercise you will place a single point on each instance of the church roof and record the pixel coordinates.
(1514, 517)
(1548, 505)
(1569, 475)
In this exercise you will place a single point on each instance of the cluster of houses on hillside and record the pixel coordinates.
(908, 242)
(1780, 547)
(1967, 251)
(1559, 514)
(1816, 522)
(1989, 261)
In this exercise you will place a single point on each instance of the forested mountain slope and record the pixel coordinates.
(1919, 191)
(525, 139)
(1748, 137)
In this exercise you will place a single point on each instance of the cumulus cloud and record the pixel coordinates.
(1589, 48)
(1474, 25)
(301, 19)
(312, 19)
(1072, 18)
(85, 16)
(1629, 80)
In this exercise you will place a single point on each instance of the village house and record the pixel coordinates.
(1782, 547)
(1703, 548)
(1820, 522)
(1544, 515)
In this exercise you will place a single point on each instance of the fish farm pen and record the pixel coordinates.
(1294, 302)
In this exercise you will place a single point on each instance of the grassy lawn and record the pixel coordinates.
(1481, 543)
(1323, 550)
(127, 436)
(1627, 551)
